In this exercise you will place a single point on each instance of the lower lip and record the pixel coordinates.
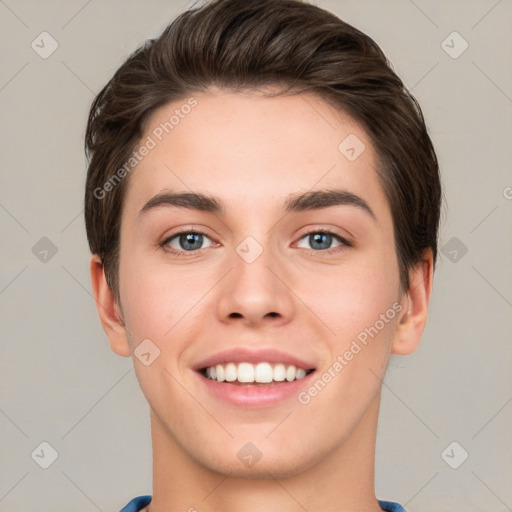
(251, 396)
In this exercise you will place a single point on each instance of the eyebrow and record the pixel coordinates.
(313, 200)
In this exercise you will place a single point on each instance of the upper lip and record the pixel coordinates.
(248, 355)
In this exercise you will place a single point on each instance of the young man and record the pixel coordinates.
(262, 205)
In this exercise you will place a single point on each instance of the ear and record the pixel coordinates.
(415, 303)
(108, 309)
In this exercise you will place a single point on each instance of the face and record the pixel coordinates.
(264, 271)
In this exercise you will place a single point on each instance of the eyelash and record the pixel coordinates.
(345, 243)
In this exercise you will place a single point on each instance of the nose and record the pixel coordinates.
(255, 293)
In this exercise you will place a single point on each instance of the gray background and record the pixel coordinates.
(60, 383)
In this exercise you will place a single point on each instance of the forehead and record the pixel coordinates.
(254, 151)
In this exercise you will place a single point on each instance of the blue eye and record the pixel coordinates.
(186, 241)
(322, 240)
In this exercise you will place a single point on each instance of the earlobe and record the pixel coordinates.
(415, 305)
(109, 311)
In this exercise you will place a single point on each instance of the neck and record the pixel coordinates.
(342, 481)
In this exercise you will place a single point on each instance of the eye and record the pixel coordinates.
(186, 241)
(322, 241)
(191, 241)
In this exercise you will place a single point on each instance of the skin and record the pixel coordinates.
(253, 152)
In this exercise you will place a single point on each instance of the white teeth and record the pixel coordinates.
(219, 369)
(262, 373)
(300, 373)
(245, 372)
(290, 373)
(230, 372)
(279, 372)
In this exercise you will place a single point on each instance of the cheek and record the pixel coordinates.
(352, 297)
(360, 306)
(157, 309)
(363, 318)
(164, 305)
(150, 301)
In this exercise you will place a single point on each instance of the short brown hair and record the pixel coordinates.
(241, 45)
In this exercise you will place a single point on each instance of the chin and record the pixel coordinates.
(250, 463)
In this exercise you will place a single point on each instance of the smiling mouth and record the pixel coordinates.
(248, 374)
